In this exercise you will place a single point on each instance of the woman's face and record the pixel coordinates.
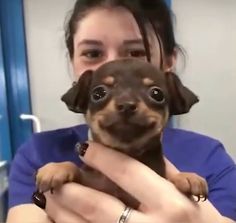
(109, 34)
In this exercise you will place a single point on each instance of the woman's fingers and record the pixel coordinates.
(123, 171)
(60, 214)
(92, 205)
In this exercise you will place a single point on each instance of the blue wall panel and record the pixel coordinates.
(15, 63)
(5, 146)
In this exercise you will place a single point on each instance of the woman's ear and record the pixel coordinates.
(77, 97)
(170, 62)
(181, 99)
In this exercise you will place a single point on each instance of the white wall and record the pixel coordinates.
(207, 31)
(50, 74)
(205, 28)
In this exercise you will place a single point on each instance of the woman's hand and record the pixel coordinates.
(160, 200)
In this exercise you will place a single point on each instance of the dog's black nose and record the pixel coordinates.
(126, 108)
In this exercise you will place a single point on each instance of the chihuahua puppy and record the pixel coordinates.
(126, 103)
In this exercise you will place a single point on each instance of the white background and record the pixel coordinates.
(205, 28)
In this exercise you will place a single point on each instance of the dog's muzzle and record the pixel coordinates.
(125, 127)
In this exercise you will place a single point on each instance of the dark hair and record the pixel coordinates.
(146, 12)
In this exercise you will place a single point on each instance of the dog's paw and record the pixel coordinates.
(191, 184)
(53, 175)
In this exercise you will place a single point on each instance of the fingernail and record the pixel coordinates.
(81, 148)
(39, 199)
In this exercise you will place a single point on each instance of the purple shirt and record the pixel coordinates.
(188, 151)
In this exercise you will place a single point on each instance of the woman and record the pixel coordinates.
(100, 31)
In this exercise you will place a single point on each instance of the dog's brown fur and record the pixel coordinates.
(126, 103)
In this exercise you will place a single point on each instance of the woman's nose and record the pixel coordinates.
(113, 56)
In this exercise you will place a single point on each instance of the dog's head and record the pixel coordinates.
(126, 102)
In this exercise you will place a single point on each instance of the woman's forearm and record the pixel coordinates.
(208, 213)
(27, 213)
(207, 210)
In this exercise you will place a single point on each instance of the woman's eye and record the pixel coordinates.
(92, 54)
(156, 94)
(99, 93)
(137, 53)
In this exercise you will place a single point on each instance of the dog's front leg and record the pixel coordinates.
(186, 182)
(53, 175)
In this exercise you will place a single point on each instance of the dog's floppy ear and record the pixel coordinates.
(181, 99)
(77, 97)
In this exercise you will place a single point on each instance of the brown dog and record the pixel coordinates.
(126, 103)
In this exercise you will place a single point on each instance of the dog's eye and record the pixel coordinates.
(99, 93)
(156, 94)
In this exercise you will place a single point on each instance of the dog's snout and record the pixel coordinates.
(127, 108)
